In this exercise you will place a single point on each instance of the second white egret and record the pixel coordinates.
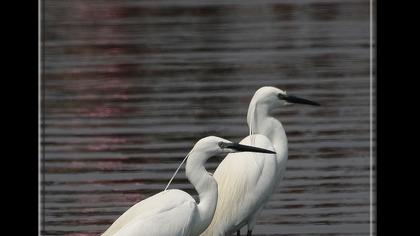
(246, 180)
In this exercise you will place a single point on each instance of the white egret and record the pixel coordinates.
(175, 212)
(242, 196)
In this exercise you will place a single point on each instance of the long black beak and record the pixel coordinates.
(294, 99)
(244, 148)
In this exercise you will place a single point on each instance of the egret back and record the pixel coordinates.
(245, 181)
(176, 221)
(152, 206)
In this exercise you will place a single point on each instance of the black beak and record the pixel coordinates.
(244, 148)
(298, 100)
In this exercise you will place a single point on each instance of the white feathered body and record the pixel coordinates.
(170, 212)
(245, 183)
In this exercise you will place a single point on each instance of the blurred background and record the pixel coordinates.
(129, 86)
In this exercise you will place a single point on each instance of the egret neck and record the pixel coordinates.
(206, 187)
(260, 121)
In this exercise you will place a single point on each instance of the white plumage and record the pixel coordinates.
(175, 212)
(141, 218)
(246, 180)
(244, 188)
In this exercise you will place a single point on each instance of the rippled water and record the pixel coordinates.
(130, 86)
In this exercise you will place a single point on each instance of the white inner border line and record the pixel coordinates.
(371, 118)
(39, 121)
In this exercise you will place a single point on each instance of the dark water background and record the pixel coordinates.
(130, 86)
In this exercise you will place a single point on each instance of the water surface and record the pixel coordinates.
(130, 86)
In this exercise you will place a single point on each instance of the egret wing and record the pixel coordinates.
(154, 205)
(175, 221)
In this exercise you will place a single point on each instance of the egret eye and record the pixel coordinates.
(281, 96)
(222, 144)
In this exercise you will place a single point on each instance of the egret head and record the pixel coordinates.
(273, 97)
(213, 145)
(268, 98)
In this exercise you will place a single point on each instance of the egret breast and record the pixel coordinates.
(245, 181)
